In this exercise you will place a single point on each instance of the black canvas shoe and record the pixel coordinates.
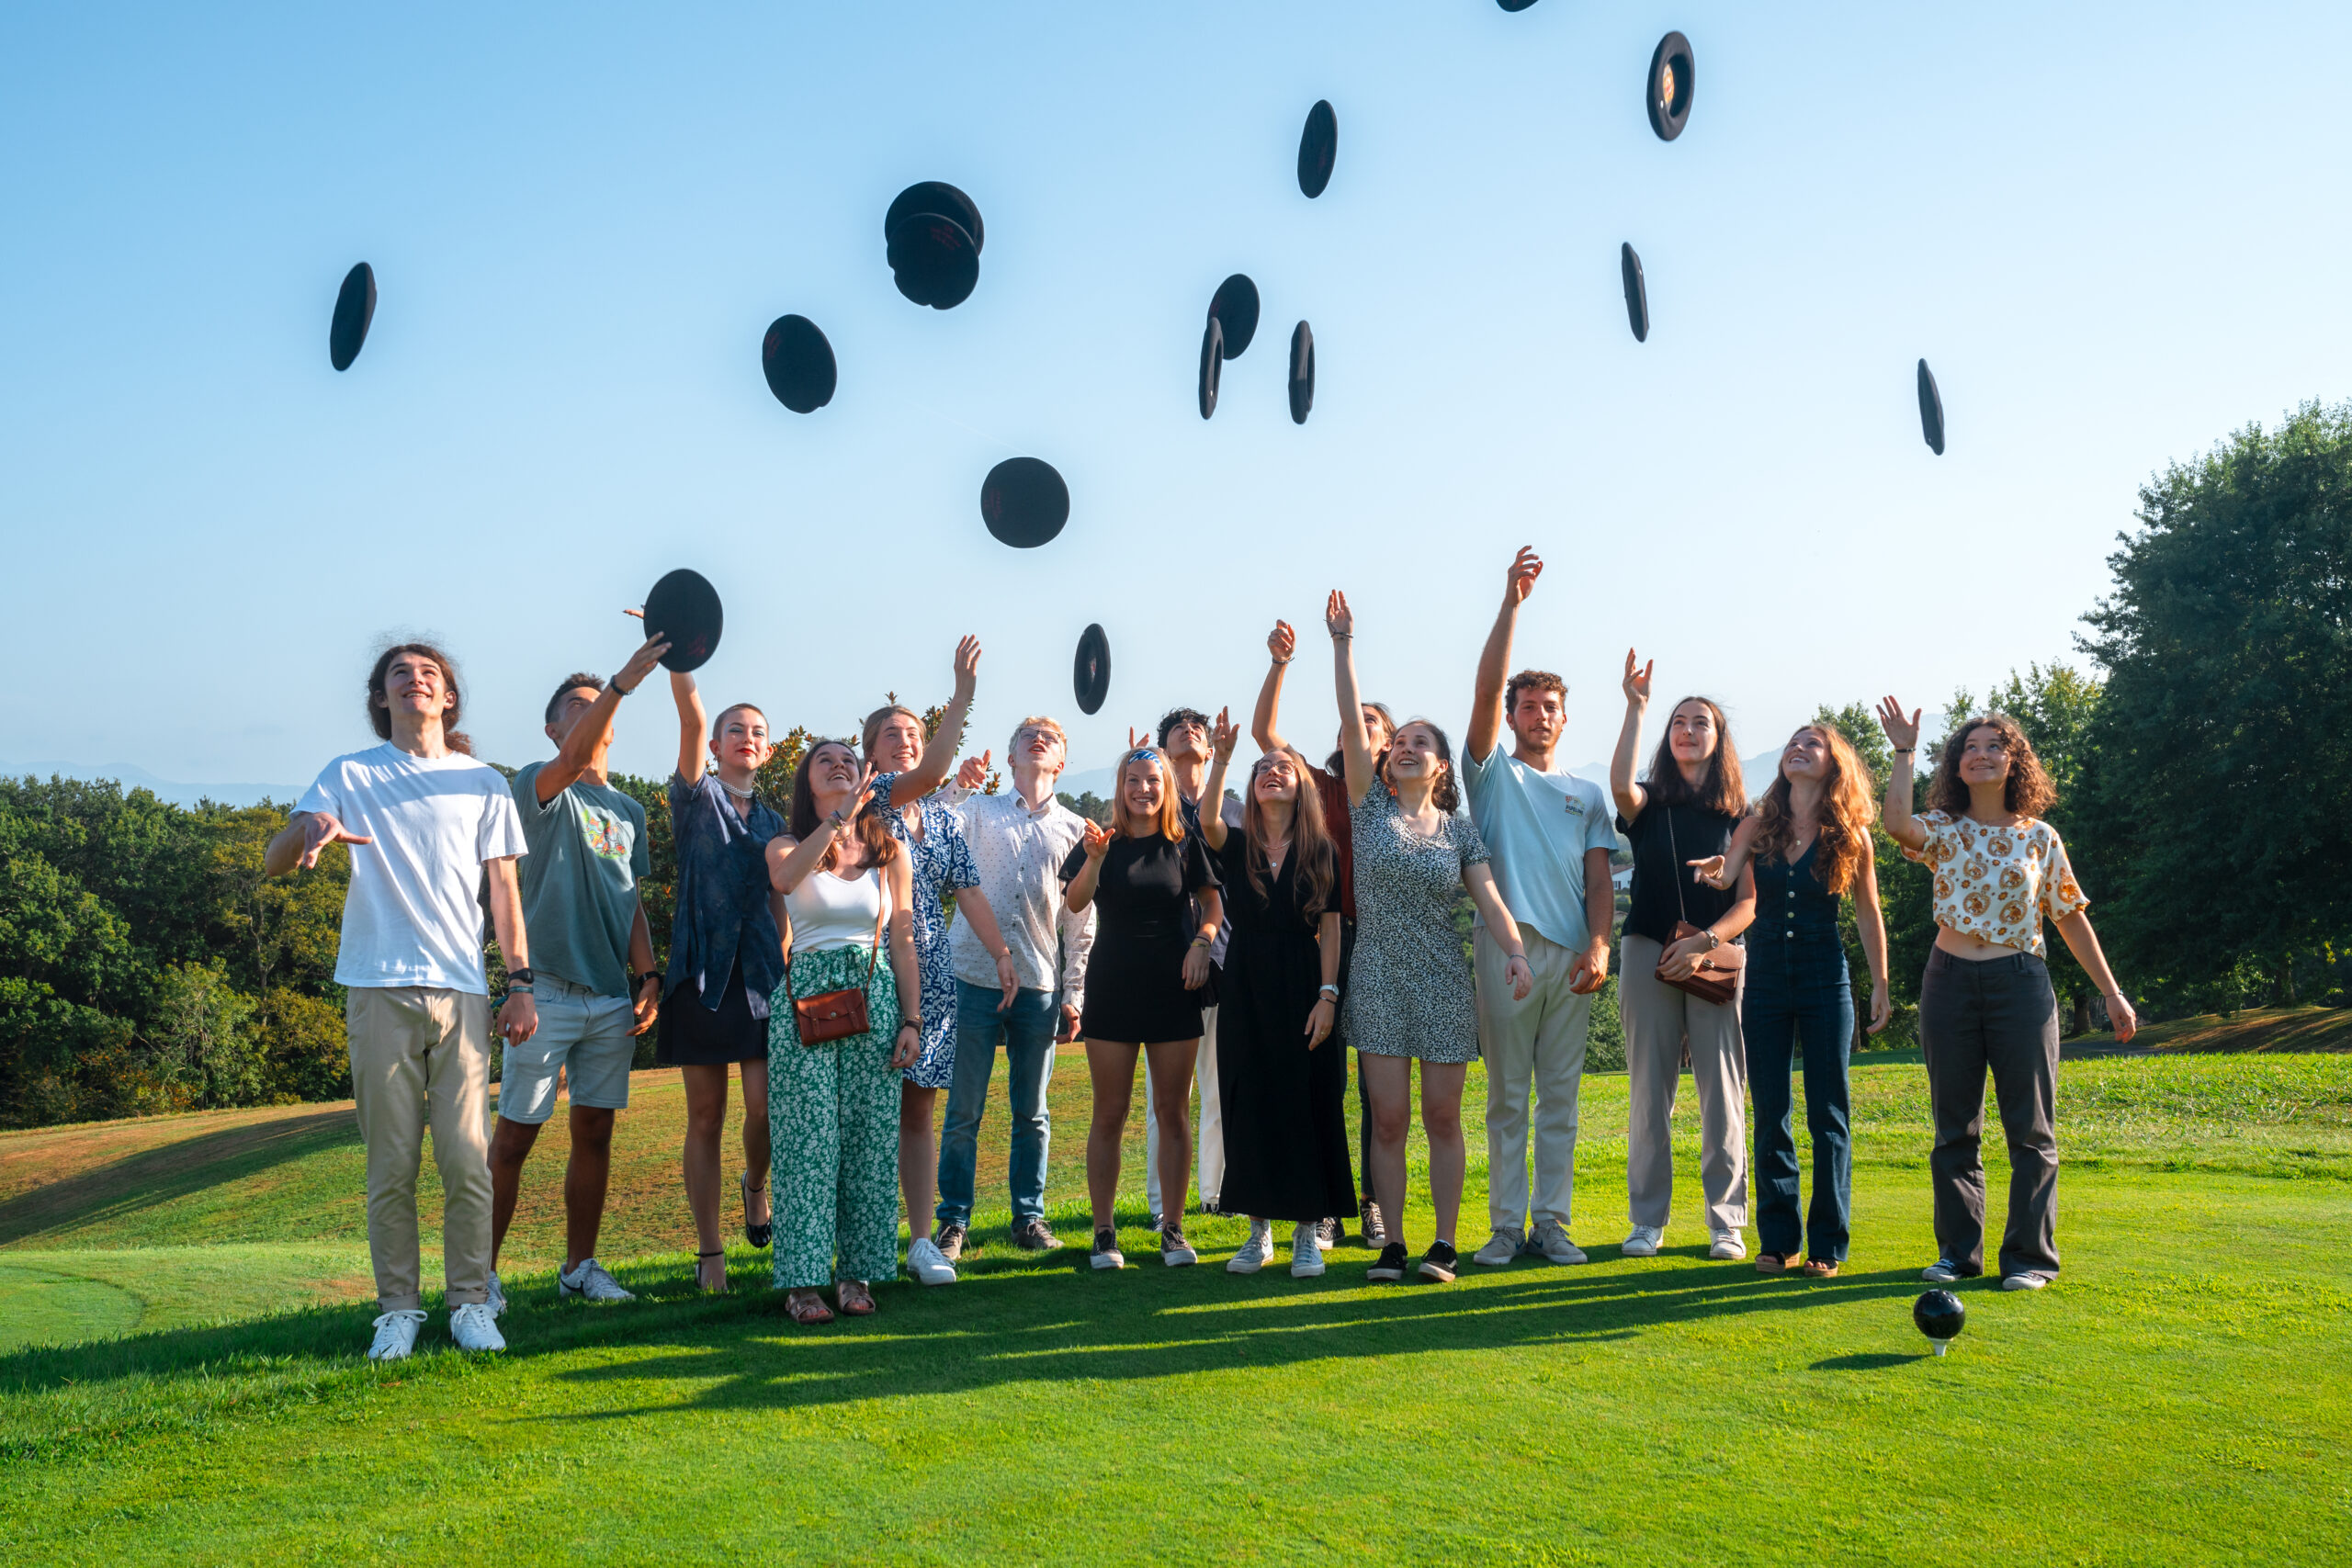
(950, 1241)
(1439, 1262)
(1034, 1236)
(1106, 1253)
(1376, 1230)
(1389, 1265)
(1174, 1250)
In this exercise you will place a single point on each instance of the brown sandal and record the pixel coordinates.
(1820, 1268)
(807, 1308)
(855, 1299)
(1772, 1262)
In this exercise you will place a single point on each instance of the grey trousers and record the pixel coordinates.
(1659, 1021)
(1995, 1013)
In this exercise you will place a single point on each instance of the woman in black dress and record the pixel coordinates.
(1143, 984)
(1286, 1096)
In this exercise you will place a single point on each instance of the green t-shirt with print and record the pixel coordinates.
(588, 851)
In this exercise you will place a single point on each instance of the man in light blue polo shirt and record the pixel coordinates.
(1551, 834)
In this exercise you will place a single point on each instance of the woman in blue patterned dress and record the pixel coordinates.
(907, 774)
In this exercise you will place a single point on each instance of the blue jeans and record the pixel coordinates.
(1798, 996)
(1026, 1031)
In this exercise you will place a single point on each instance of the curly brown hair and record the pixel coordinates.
(2028, 791)
(380, 711)
(1847, 813)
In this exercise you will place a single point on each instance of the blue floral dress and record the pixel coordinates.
(942, 859)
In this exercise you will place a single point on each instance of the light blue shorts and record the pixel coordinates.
(580, 1032)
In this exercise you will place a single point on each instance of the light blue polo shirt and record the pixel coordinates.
(1539, 826)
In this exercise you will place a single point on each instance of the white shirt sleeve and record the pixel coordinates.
(502, 825)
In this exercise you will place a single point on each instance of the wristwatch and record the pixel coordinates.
(1331, 991)
(654, 974)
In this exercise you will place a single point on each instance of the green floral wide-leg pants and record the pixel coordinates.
(834, 1131)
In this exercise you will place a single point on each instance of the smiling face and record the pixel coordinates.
(1691, 731)
(416, 685)
(833, 769)
(740, 739)
(1416, 753)
(1142, 790)
(1984, 756)
(898, 744)
(1806, 756)
(1275, 778)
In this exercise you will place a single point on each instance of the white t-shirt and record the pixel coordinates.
(412, 915)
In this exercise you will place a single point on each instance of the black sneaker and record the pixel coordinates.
(1033, 1236)
(1389, 1265)
(1375, 1232)
(1174, 1250)
(950, 1241)
(1439, 1262)
(1151, 1221)
(1106, 1253)
(1329, 1234)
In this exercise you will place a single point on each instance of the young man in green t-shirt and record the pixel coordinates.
(590, 950)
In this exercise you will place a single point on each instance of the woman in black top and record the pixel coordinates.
(1284, 1087)
(1684, 811)
(1144, 977)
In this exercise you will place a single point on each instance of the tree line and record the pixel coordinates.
(2204, 771)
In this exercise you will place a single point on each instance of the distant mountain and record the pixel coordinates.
(178, 794)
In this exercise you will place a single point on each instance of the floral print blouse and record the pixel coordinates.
(1997, 883)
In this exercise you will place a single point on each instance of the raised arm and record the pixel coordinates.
(1494, 660)
(791, 860)
(1630, 796)
(939, 755)
(1894, 811)
(1282, 644)
(595, 727)
(1342, 623)
(1222, 737)
(692, 722)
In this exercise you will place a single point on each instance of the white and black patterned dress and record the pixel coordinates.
(1409, 989)
(942, 863)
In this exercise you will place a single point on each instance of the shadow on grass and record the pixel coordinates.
(1868, 1361)
(155, 1177)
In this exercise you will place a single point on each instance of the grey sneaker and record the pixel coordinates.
(588, 1282)
(497, 1303)
(2028, 1281)
(1174, 1250)
(1256, 1251)
(951, 1242)
(1500, 1248)
(395, 1336)
(1942, 1271)
(1643, 1242)
(1307, 1252)
(1728, 1247)
(1035, 1235)
(1551, 1243)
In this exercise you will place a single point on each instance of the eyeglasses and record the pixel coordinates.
(1029, 732)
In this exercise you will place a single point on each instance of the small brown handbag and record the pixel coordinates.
(837, 1015)
(1699, 984)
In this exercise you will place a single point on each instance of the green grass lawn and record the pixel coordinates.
(2179, 1396)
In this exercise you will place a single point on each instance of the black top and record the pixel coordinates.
(1660, 857)
(1792, 906)
(1146, 885)
(1134, 975)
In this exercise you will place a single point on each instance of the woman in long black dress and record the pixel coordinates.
(1144, 977)
(1286, 1094)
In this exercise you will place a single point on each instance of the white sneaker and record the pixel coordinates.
(497, 1303)
(473, 1328)
(1942, 1271)
(928, 1264)
(588, 1282)
(1643, 1242)
(1255, 1253)
(2024, 1281)
(1551, 1243)
(395, 1336)
(1500, 1248)
(1307, 1252)
(1728, 1247)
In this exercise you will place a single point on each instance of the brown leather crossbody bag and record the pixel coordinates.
(1701, 983)
(837, 1015)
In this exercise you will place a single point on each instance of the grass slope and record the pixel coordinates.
(2176, 1397)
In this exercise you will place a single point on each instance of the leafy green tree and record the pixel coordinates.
(2222, 786)
(202, 1038)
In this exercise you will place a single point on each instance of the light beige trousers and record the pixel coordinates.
(1536, 1044)
(420, 1055)
(1659, 1020)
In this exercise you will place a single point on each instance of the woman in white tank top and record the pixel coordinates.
(834, 1106)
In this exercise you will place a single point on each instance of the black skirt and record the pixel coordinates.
(1135, 988)
(695, 1036)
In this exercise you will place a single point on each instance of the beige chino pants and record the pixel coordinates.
(420, 1055)
(1659, 1021)
(1534, 1044)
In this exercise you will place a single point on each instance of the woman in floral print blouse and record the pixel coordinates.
(1985, 1001)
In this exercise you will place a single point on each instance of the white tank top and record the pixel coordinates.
(828, 911)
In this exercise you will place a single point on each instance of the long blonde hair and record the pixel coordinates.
(1169, 823)
(1312, 849)
(1847, 813)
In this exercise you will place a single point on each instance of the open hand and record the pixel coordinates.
(1901, 733)
(1709, 871)
(1223, 735)
(1525, 567)
(972, 775)
(1282, 642)
(1637, 680)
(1096, 838)
(967, 668)
(1337, 619)
(641, 663)
(319, 829)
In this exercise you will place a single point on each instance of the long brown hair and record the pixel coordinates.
(871, 834)
(1723, 790)
(2028, 790)
(1169, 823)
(1446, 792)
(1847, 813)
(1312, 851)
(380, 712)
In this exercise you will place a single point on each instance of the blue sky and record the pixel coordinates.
(2117, 232)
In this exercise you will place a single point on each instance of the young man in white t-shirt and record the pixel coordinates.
(1551, 834)
(423, 820)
